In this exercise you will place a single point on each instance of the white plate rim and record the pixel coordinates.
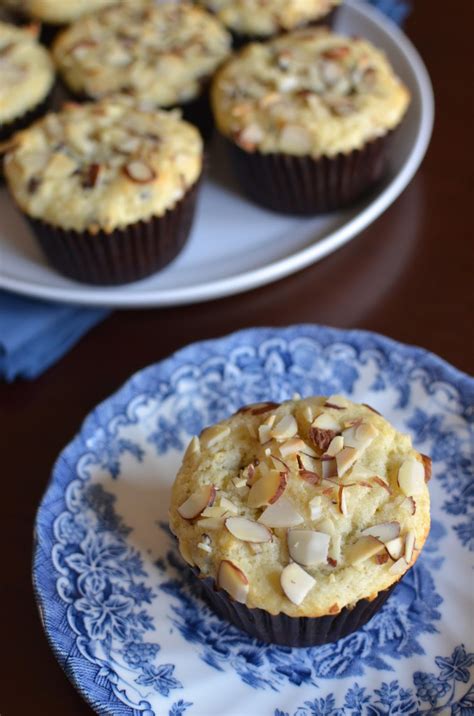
(139, 297)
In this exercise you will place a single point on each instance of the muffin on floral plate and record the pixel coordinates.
(301, 518)
(26, 78)
(108, 188)
(161, 54)
(253, 20)
(308, 119)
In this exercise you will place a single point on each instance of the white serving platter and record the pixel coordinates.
(235, 245)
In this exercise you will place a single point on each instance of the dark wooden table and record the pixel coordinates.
(410, 276)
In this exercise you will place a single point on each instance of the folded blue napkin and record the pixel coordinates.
(35, 334)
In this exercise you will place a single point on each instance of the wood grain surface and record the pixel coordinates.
(409, 276)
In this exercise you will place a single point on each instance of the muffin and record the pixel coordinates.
(26, 78)
(161, 54)
(301, 518)
(53, 14)
(308, 119)
(252, 20)
(109, 188)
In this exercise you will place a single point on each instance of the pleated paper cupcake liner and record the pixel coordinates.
(292, 631)
(123, 255)
(8, 129)
(303, 185)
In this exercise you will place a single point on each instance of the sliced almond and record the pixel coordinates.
(139, 172)
(345, 459)
(361, 550)
(285, 428)
(291, 447)
(281, 513)
(360, 435)
(214, 435)
(248, 473)
(381, 483)
(341, 500)
(247, 530)
(321, 438)
(399, 566)
(264, 433)
(296, 583)
(278, 463)
(308, 547)
(268, 489)
(315, 507)
(233, 581)
(384, 531)
(214, 511)
(210, 523)
(229, 506)
(200, 499)
(427, 464)
(91, 176)
(337, 402)
(335, 446)
(309, 463)
(395, 548)
(249, 137)
(409, 545)
(409, 505)
(328, 468)
(325, 421)
(411, 477)
(366, 405)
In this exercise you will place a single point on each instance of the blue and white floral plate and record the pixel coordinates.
(116, 603)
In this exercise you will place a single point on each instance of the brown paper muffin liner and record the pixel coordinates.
(303, 185)
(8, 129)
(47, 31)
(329, 20)
(122, 255)
(198, 112)
(292, 631)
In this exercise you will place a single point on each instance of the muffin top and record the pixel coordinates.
(26, 72)
(103, 165)
(310, 92)
(263, 19)
(161, 54)
(56, 12)
(304, 507)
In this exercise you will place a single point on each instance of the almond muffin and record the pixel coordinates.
(252, 19)
(308, 117)
(301, 518)
(55, 12)
(26, 78)
(108, 187)
(161, 54)
(52, 14)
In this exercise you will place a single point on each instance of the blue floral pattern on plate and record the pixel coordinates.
(128, 624)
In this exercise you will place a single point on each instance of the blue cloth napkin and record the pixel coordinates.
(35, 334)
